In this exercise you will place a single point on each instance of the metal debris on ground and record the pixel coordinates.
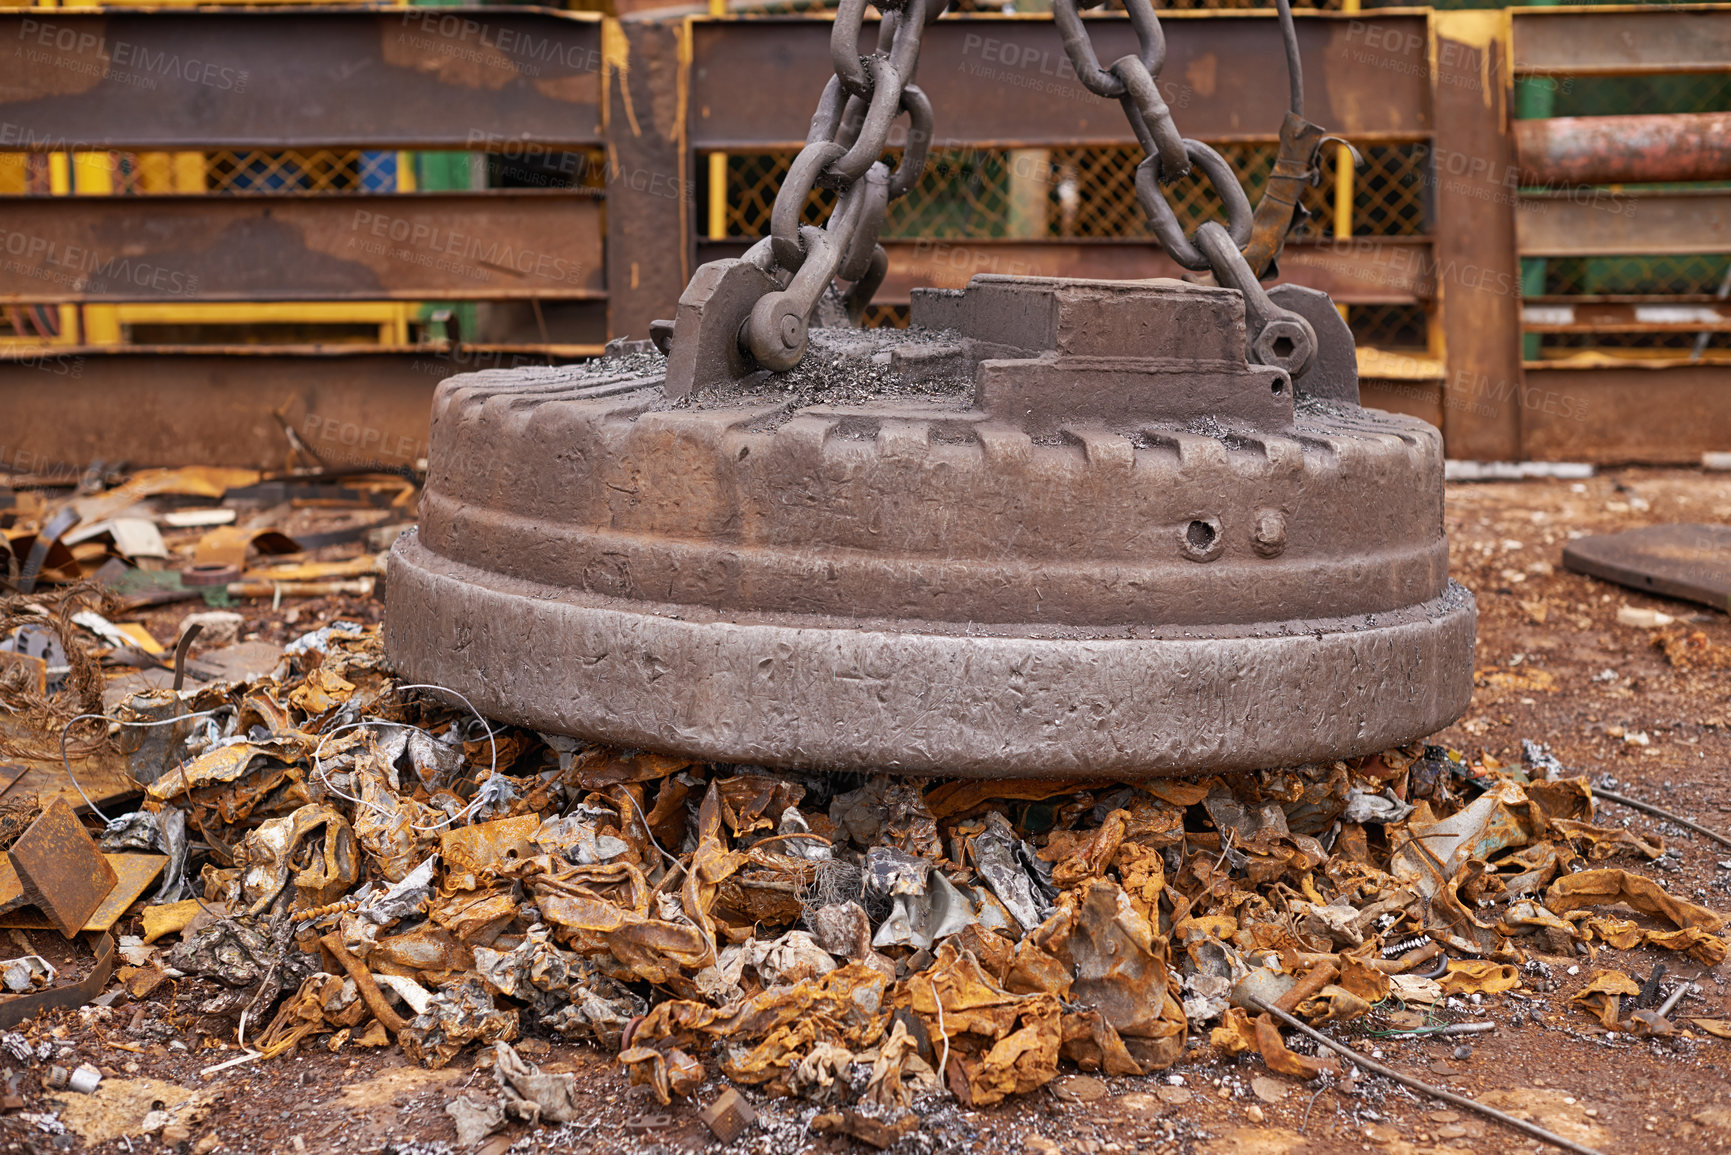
(1687, 561)
(372, 864)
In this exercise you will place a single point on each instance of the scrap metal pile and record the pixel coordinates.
(367, 860)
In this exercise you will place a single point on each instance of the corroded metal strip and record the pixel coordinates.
(491, 78)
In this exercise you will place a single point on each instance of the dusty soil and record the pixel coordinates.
(1554, 665)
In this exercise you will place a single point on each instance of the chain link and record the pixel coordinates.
(843, 151)
(1275, 336)
(781, 280)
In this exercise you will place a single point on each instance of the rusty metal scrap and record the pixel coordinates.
(1032, 927)
(14, 1009)
(60, 870)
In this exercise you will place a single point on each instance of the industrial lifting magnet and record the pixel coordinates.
(1057, 527)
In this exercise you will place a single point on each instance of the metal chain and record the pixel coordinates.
(849, 132)
(1245, 248)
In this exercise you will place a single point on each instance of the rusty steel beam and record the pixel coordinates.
(499, 78)
(1625, 317)
(168, 405)
(1563, 42)
(1005, 82)
(1663, 415)
(1576, 150)
(1604, 223)
(1362, 271)
(1478, 272)
(495, 245)
(649, 183)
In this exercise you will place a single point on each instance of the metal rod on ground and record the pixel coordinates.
(1649, 808)
(1468, 1029)
(1521, 1125)
(1676, 997)
(1449, 1029)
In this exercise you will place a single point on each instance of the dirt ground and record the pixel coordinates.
(1554, 665)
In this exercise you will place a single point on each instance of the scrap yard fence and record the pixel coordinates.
(417, 192)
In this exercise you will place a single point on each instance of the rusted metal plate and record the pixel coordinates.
(490, 844)
(133, 875)
(1626, 42)
(1692, 562)
(1663, 415)
(1361, 271)
(1626, 223)
(998, 81)
(1028, 557)
(497, 245)
(501, 78)
(60, 871)
(1574, 150)
(166, 406)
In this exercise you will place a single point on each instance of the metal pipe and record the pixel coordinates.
(1675, 998)
(1576, 150)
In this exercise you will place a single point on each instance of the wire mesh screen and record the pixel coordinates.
(1660, 344)
(1690, 275)
(1404, 327)
(885, 317)
(1629, 95)
(258, 171)
(1090, 193)
(1087, 192)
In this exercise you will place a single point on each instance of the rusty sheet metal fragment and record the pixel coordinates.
(1000, 1044)
(470, 850)
(16, 1009)
(229, 545)
(1688, 561)
(1492, 822)
(533, 1096)
(459, 1014)
(1606, 886)
(1102, 954)
(427, 949)
(60, 870)
(270, 852)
